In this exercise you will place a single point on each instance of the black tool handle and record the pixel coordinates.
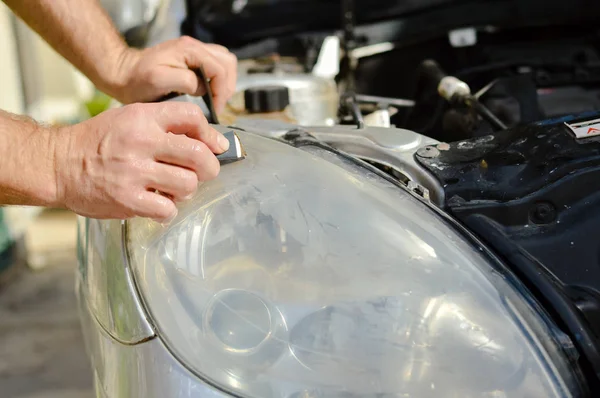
(208, 97)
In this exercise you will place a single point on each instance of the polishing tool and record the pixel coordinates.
(236, 150)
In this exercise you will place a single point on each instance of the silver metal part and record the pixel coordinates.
(396, 102)
(485, 89)
(419, 190)
(390, 147)
(328, 62)
(105, 282)
(267, 128)
(373, 49)
(428, 152)
(450, 86)
(133, 371)
(379, 118)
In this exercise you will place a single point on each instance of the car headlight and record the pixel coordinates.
(298, 273)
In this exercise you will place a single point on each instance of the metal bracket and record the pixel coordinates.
(419, 190)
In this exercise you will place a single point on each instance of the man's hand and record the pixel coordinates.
(114, 165)
(82, 32)
(152, 73)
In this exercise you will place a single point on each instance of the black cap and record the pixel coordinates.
(266, 99)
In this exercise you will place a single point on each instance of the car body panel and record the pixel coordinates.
(143, 370)
(107, 288)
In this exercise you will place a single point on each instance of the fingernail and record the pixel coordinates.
(223, 142)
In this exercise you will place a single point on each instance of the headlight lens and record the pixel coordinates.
(299, 274)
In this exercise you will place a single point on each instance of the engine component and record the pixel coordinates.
(457, 92)
(313, 100)
(532, 193)
(265, 99)
(349, 106)
(346, 77)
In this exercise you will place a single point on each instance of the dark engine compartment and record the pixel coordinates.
(538, 73)
(532, 193)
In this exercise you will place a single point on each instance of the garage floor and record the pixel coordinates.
(41, 347)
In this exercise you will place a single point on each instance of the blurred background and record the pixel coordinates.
(41, 350)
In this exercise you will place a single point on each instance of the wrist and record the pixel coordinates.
(28, 173)
(61, 144)
(42, 165)
(118, 76)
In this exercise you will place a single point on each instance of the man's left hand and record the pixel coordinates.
(149, 74)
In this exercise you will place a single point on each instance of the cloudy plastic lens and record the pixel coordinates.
(241, 321)
(299, 274)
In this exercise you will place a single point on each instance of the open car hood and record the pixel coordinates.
(236, 23)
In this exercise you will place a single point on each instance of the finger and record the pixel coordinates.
(185, 152)
(155, 206)
(196, 55)
(187, 118)
(229, 61)
(167, 80)
(177, 182)
(213, 47)
(228, 58)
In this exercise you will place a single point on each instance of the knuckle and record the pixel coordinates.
(202, 124)
(209, 134)
(187, 40)
(160, 207)
(192, 109)
(140, 170)
(137, 138)
(196, 159)
(220, 70)
(191, 81)
(127, 201)
(153, 77)
(189, 183)
(196, 154)
(161, 212)
(232, 58)
(211, 169)
(197, 150)
(219, 47)
(136, 111)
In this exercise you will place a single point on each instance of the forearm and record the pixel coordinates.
(27, 162)
(82, 32)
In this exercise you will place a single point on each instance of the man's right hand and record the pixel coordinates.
(112, 165)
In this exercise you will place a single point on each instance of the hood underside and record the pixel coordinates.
(237, 24)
